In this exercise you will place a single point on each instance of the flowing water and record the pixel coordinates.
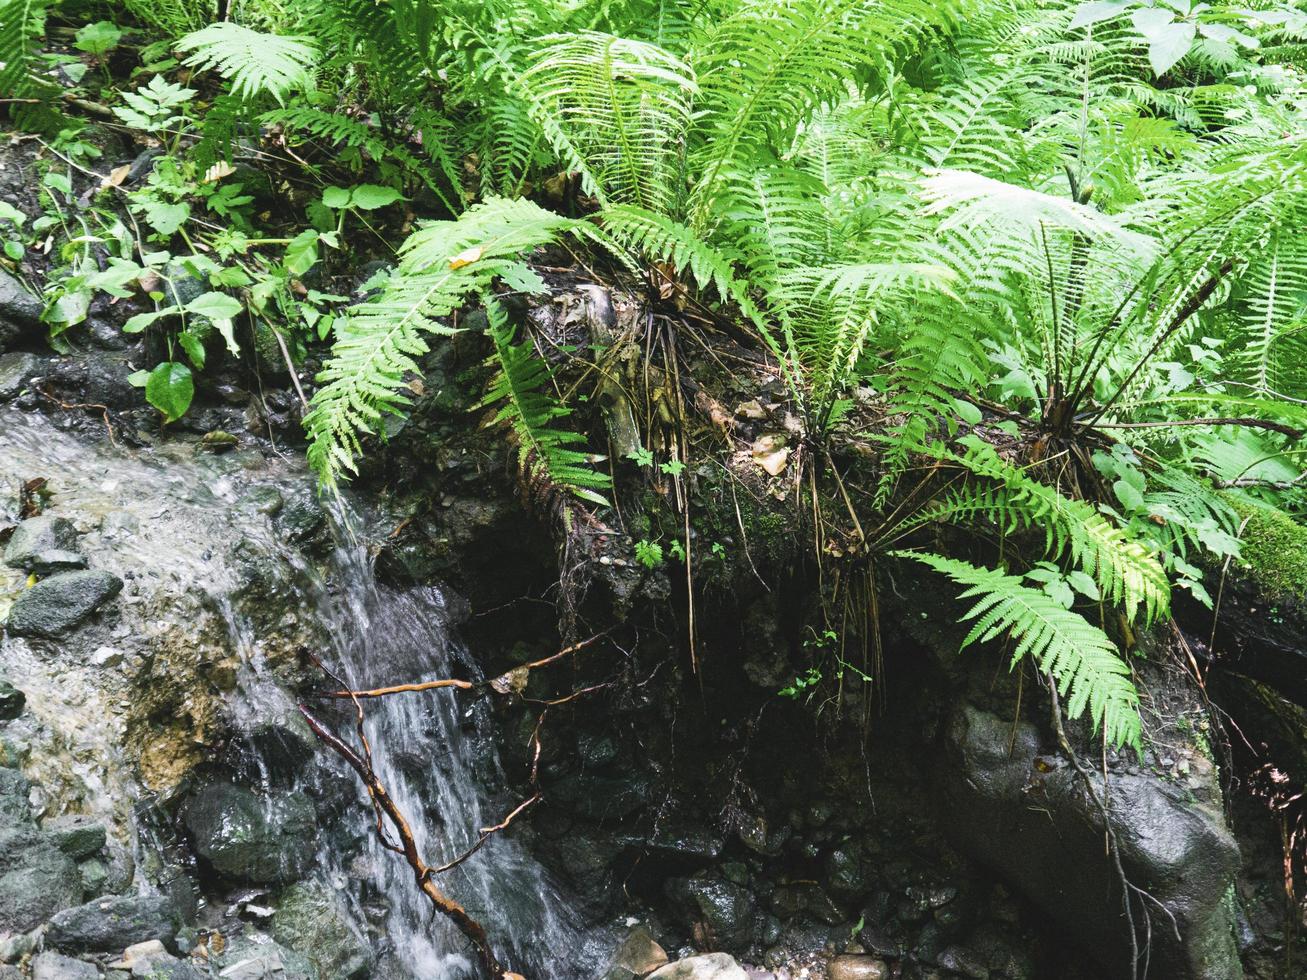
(171, 522)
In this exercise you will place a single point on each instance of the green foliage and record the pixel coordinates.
(253, 62)
(1081, 659)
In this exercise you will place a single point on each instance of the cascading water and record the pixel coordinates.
(184, 529)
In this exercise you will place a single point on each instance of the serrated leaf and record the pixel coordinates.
(193, 348)
(302, 252)
(140, 321)
(336, 197)
(170, 388)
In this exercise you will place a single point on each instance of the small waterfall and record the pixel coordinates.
(432, 752)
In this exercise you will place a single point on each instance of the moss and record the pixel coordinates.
(1274, 552)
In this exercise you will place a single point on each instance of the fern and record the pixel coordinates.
(254, 63)
(382, 338)
(1083, 662)
(546, 453)
(22, 28)
(1124, 568)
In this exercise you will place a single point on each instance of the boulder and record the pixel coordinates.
(724, 908)
(15, 809)
(16, 370)
(37, 535)
(638, 955)
(53, 966)
(36, 878)
(110, 925)
(251, 838)
(12, 701)
(20, 311)
(257, 958)
(75, 834)
(710, 966)
(150, 960)
(311, 920)
(1028, 817)
(53, 606)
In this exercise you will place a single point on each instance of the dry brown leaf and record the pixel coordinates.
(513, 682)
(466, 257)
(751, 410)
(116, 176)
(218, 171)
(771, 453)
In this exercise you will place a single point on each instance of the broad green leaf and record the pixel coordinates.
(226, 328)
(15, 250)
(98, 38)
(336, 197)
(192, 346)
(166, 218)
(215, 306)
(142, 320)
(1168, 40)
(1093, 11)
(170, 388)
(302, 252)
(369, 197)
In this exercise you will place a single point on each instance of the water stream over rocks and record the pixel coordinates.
(221, 599)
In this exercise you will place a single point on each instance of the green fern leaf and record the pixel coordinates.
(255, 63)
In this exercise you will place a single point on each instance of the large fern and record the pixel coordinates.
(1081, 658)
(382, 338)
(253, 62)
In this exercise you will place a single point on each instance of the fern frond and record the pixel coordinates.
(1124, 567)
(1081, 658)
(22, 29)
(616, 110)
(546, 453)
(380, 340)
(255, 63)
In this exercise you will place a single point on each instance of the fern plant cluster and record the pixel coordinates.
(1084, 219)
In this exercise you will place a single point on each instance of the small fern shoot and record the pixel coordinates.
(1081, 658)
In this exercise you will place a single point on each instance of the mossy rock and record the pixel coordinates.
(1274, 553)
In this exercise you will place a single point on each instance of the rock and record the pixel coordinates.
(150, 960)
(108, 925)
(807, 899)
(37, 535)
(53, 606)
(259, 958)
(639, 954)
(16, 370)
(311, 920)
(711, 966)
(723, 908)
(14, 793)
(19, 311)
(15, 947)
(36, 878)
(76, 835)
(857, 968)
(53, 966)
(1029, 818)
(95, 877)
(301, 516)
(251, 838)
(12, 701)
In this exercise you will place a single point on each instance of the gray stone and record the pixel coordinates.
(724, 908)
(53, 966)
(259, 958)
(53, 562)
(75, 834)
(311, 920)
(20, 311)
(12, 701)
(15, 947)
(16, 370)
(14, 793)
(110, 925)
(639, 954)
(36, 535)
(95, 877)
(36, 878)
(53, 606)
(857, 968)
(710, 966)
(1030, 819)
(251, 838)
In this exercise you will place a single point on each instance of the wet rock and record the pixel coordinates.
(55, 605)
(1037, 827)
(849, 870)
(711, 966)
(16, 370)
(857, 968)
(14, 793)
(301, 516)
(152, 961)
(311, 920)
(20, 311)
(251, 838)
(259, 958)
(639, 954)
(724, 909)
(14, 948)
(36, 878)
(95, 877)
(76, 835)
(805, 899)
(53, 966)
(109, 925)
(12, 701)
(38, 535)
